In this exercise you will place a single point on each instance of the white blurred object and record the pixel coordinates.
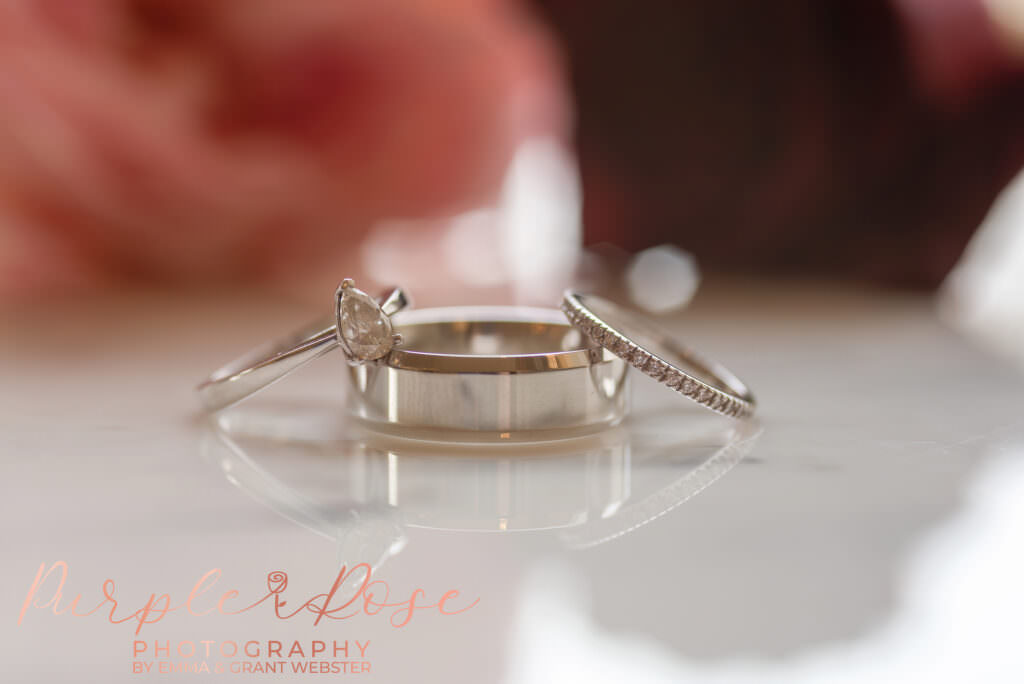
(395, 251)
(529, 242)
(959, 619)
(985, 292)
(1008, 17)
(541, 227)
(470, 252)
(662, 279)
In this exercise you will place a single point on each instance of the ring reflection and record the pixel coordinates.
(361, 489)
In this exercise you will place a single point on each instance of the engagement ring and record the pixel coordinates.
(360, 326)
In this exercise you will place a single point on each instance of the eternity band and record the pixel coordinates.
(642, 345)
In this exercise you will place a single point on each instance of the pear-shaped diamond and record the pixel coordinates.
(364, 329)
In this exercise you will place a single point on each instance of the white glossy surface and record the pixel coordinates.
(870, 534)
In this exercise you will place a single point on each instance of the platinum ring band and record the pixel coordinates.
(270, 362)
(490, 374)
(646, 348)
(507, 371)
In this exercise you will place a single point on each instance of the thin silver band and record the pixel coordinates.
(268, 363)
(646, 348)
(490, 374)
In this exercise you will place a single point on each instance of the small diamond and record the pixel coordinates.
(704, 395)
(655, 368)
(639, 357)
(689, 386)
(675, 380)
(363, 326)
(617, 345)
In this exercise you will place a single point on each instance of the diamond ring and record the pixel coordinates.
(486, 373)
(360, 326)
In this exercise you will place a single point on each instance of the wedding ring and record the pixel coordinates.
(485, 373)
(490, 374)
(360, 326)
(642, 345)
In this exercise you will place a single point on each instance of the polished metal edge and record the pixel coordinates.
(514, 316)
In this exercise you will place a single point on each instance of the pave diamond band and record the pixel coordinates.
(647, 349)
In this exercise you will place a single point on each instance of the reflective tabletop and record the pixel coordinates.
(867, 526)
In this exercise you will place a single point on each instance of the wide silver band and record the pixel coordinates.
(642, 345)
(490, 374)
(270, 362)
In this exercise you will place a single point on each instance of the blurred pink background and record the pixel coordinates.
(175, 141)
(188, 143)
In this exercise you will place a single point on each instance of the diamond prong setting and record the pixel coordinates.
(364, 331)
